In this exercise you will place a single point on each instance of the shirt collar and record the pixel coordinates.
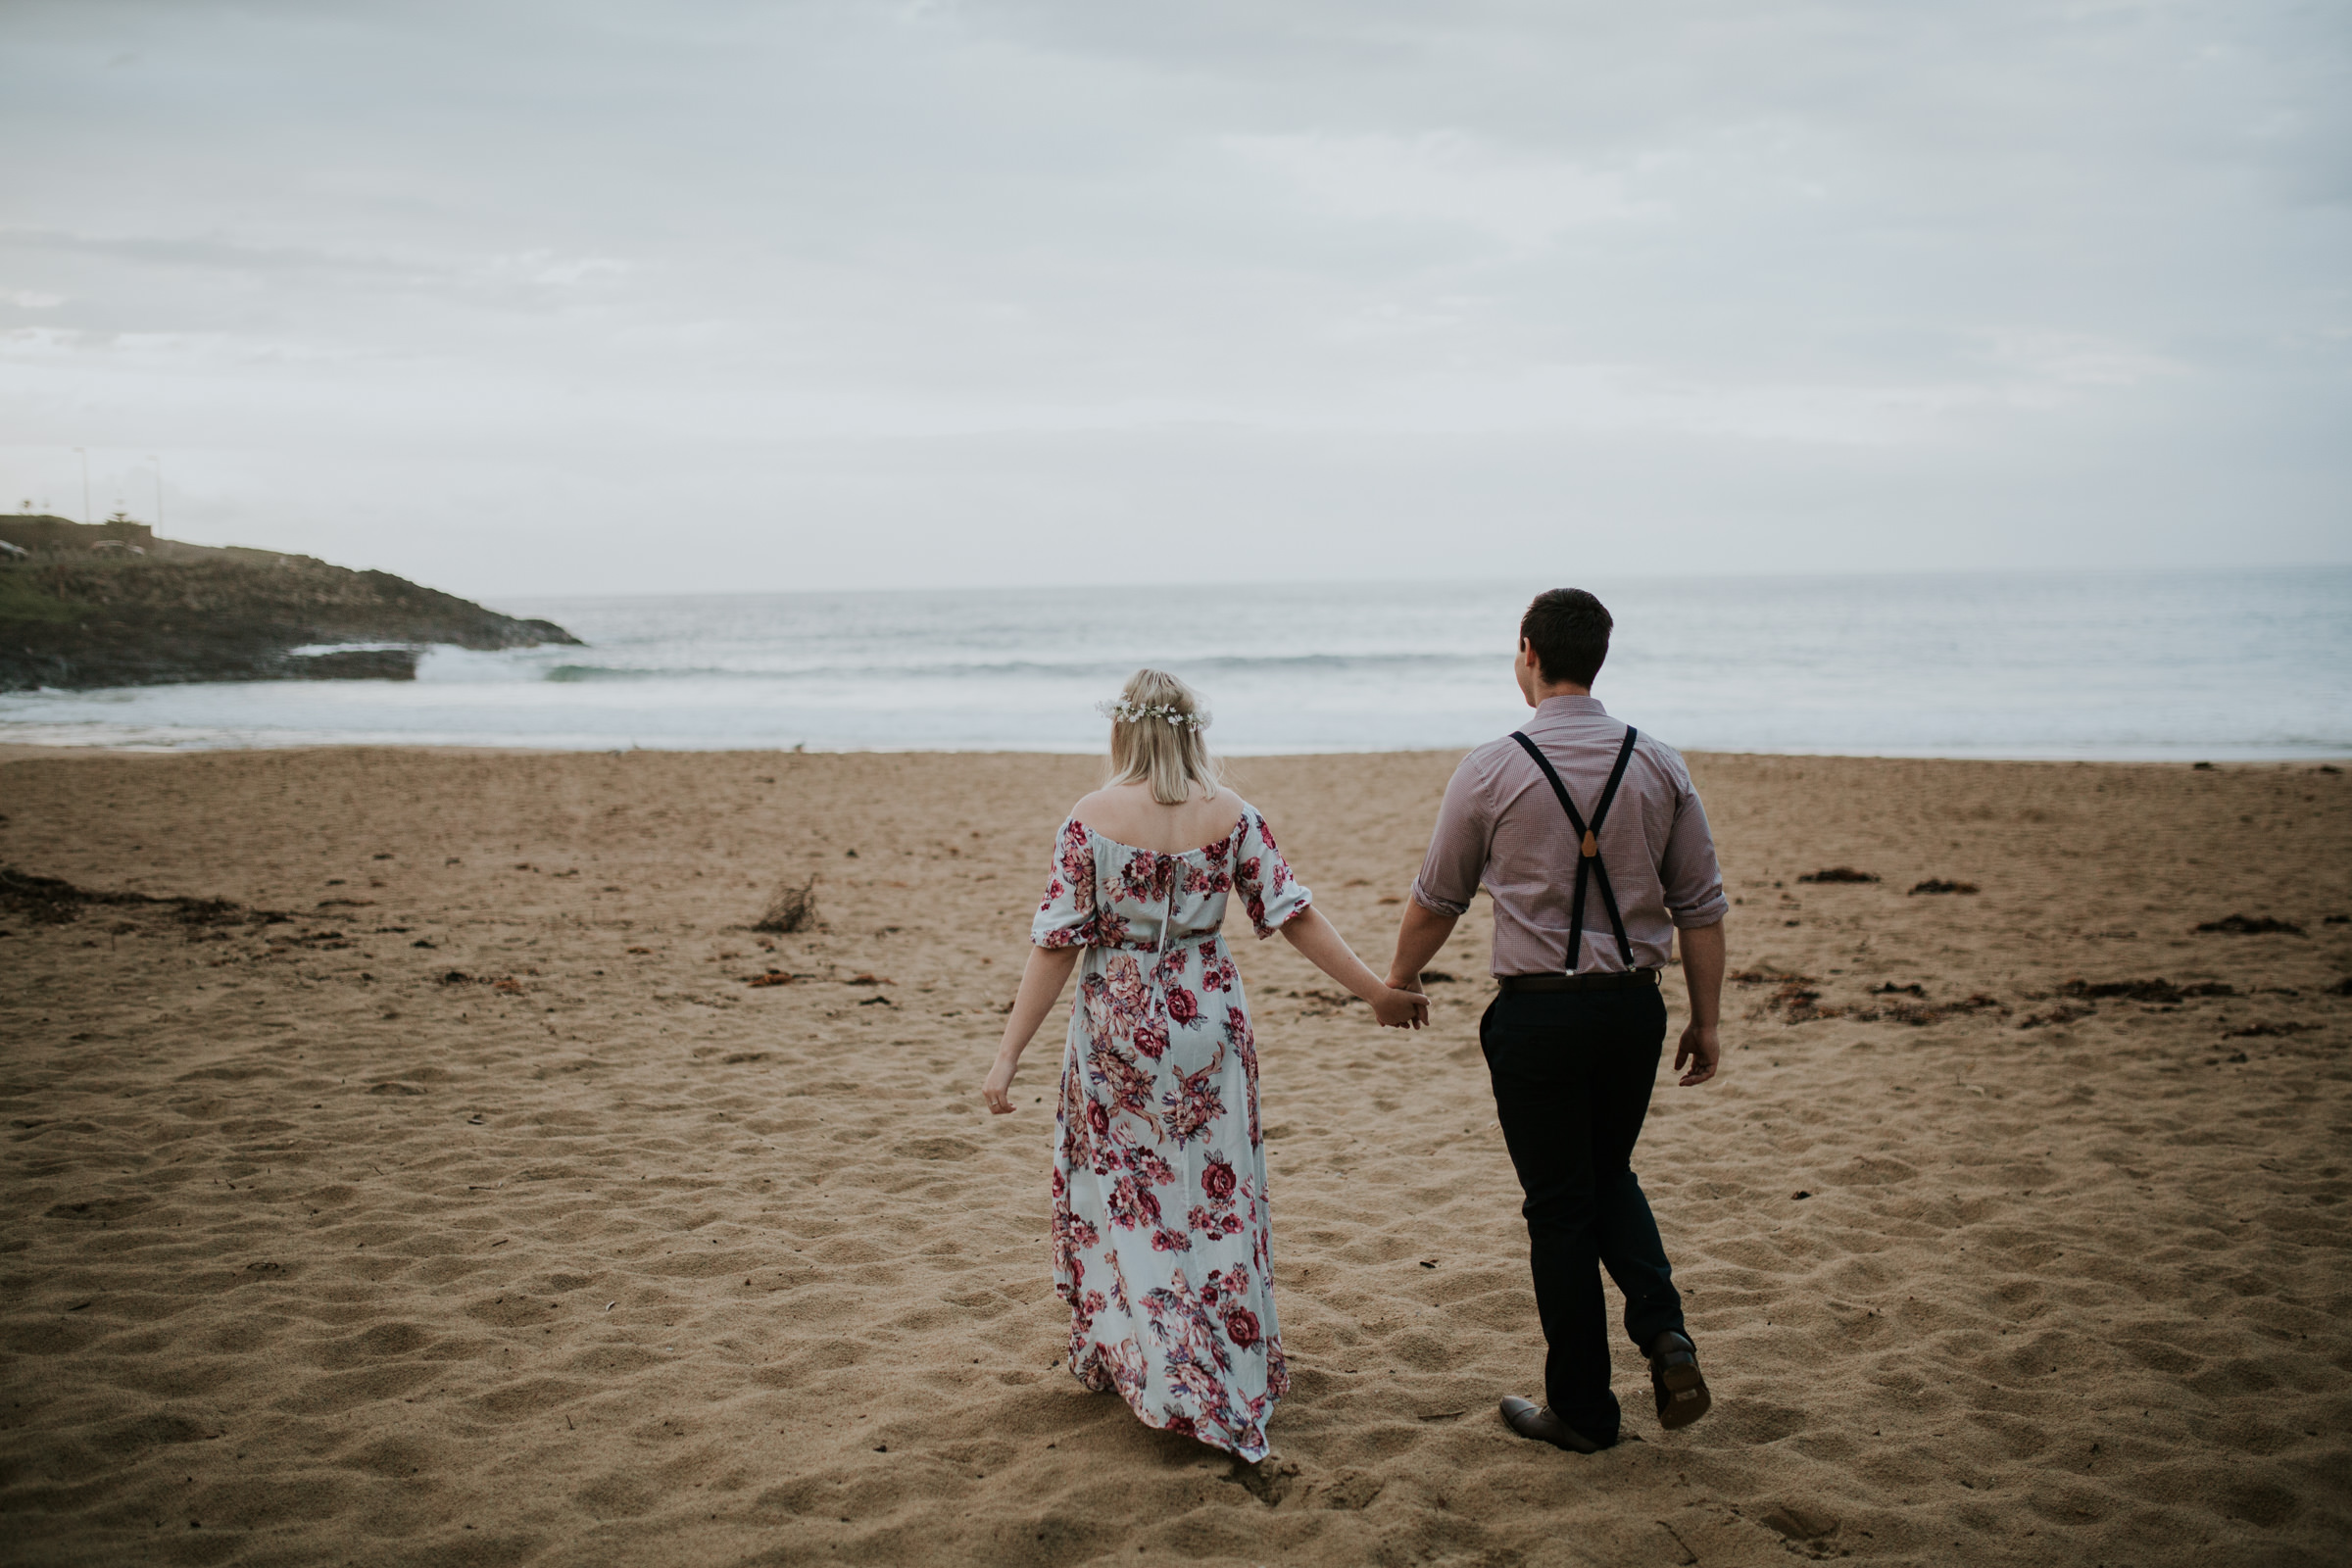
(1570, 708)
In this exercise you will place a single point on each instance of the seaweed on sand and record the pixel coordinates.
(53, 901)
(788, 909)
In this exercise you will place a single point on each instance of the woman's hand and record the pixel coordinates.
(1042, 980)
(997, 1089)
(1400, 1009)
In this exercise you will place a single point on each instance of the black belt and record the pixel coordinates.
(1602, 980)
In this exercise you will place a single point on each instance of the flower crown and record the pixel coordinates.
(1127, 713)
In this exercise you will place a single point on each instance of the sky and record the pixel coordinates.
(535, 298)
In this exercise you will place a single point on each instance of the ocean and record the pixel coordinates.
(2211, 665)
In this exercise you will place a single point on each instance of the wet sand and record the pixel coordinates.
(479, 1211)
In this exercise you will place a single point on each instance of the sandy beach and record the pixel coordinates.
(450, 1194)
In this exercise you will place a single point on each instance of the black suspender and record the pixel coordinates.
(1589, 863)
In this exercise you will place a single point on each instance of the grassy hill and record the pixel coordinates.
(98, 606)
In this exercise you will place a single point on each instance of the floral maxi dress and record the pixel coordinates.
(1161, 1238)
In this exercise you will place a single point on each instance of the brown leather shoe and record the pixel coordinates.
(1675, 1378)
(1530, 1420)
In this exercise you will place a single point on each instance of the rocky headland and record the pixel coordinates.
(110, 605)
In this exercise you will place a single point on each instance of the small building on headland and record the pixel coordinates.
(36, 532)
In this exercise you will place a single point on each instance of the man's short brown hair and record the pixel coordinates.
(1569, 630)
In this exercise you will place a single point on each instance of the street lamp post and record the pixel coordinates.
(86, 484)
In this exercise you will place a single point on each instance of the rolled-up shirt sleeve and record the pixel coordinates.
(1457, 848)
(1688, 873)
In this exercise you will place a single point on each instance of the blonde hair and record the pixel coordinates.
(1156, 738)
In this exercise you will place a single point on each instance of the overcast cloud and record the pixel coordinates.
(523, 298)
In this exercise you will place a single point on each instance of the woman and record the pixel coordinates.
(1160, 1221)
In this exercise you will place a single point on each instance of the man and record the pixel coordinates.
(1594, 848)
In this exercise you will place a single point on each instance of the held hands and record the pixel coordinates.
(1399, 1007)
(1701, 1048)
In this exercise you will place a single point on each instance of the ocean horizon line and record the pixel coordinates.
(2119, 665)
(2126, 756)
(1443, 581)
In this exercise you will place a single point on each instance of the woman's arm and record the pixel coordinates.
(1320, 941)
(1048, 971)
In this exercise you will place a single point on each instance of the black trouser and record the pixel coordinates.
(1572, 1075)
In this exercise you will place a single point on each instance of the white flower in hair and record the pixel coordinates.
(1127, 713)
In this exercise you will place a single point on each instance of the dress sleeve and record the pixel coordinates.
(1273, 897)
(1066, 917)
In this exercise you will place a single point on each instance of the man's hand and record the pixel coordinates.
(1399, 1008)
(1703, 958)
(1700, 1048)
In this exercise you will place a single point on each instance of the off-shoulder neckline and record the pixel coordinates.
(1093, 832)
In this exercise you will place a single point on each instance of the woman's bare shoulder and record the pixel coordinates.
(1127, 815)
(1097, 807)
(1226, 813)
